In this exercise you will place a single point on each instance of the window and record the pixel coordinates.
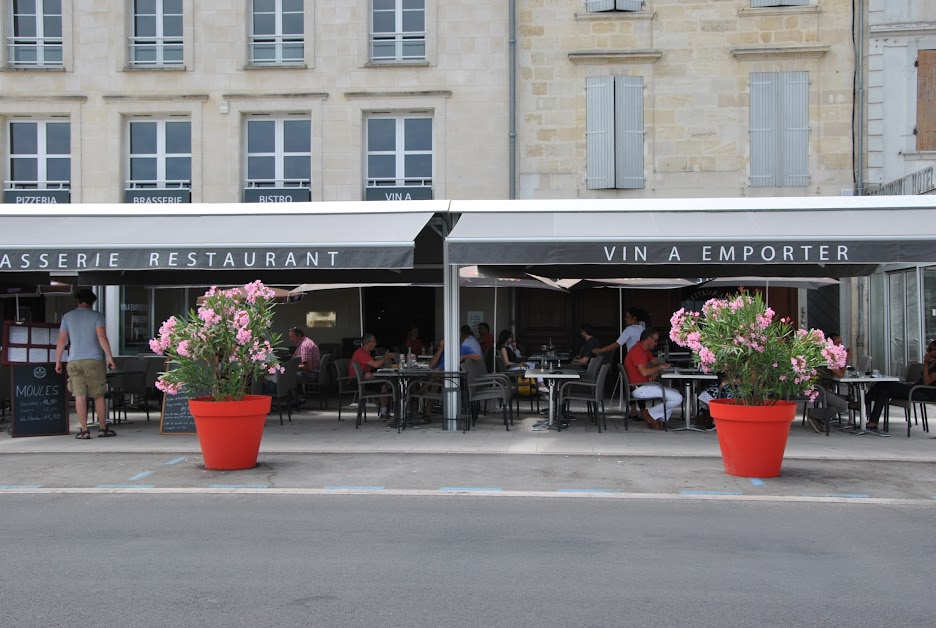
(614, 132)
(279, 152)
(779, 3)
(36, 39)
(157, 33)
(39, 155)
(926, 100)
(600, 6)
(779, 133)
(160, 154)
(399, 151)
(398, 30)
(276, 32)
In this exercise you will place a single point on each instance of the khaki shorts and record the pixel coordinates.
(87, 378)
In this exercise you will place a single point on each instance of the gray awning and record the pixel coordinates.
(843, 241)
(194, 239)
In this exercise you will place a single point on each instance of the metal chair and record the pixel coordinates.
(287, 388)
(918, 396)
(627, 388)
(591, 392)
(372, 390)
(319, 388)
(347, 383)
(484, 387)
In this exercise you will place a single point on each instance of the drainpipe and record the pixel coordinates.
(859, 9)
(512, 80)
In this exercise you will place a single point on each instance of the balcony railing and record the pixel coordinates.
(156, 51)
(275, 50)
(36, 185)
(389, 47)
(141, 184)
(35, 52)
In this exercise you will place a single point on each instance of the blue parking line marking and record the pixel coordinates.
(711, 493)
(125, 486)
(239, 486)
(175, 460)
(585, 490)
(758, 482)
(140, 476)
(353, 488)
(465, 488)
(16, 486)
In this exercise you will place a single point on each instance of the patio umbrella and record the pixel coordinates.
(809, 283)
(649, 283)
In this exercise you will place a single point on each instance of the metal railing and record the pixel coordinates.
(20, 184)
(303, 184)
(142, 184)
(276, 49)
(399, 182)
(156, 51)
(406, 46)
(34, 52)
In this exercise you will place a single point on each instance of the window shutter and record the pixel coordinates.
(628, 5)
(629, 132)
(764, 131)
(779, 3)
(794, 110)
(599, 132)
(596, 6)
(926, 100)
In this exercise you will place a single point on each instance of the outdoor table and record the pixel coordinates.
(862, 383)
(552, 377)
(402, 377)
(690, 402)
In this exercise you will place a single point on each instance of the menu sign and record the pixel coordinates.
(175, 417)
(40, 401)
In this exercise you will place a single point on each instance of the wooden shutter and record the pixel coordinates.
(629, 132)
(794, 124)
(926, 100)
(764, 130)
(599, 132)
(597, 6)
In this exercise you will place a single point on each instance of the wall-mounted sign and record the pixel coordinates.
(277, 195)
(919, 182)
(40, 197)
(381, 193)
(157, 196)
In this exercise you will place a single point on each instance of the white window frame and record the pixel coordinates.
(399, 37)
(160, 43)
(615, 135)
(604, 6)
(42, 181)
(400, 153)
(779, 129)
(160, 182)
(778, 3)
(278, 40)
(279, 153)
(41, 44)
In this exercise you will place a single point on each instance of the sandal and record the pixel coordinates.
(83, 435)
(105, 433)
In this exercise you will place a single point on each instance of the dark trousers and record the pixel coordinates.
(881, 392)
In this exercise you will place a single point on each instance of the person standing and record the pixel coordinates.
(635, 320)
(89, 357)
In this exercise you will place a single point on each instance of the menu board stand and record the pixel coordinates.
(39, 404)
(175, 417)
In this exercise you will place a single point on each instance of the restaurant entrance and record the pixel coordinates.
(390, 312)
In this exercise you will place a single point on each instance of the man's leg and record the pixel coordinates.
(81, 409)
(100, 406)
(673, 400)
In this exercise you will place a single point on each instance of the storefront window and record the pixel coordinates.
(929, 303)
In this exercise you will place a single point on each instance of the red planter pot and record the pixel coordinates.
(229, 432)
(752, 438)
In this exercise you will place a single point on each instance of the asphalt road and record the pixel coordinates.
(273, 559)
(447, 472)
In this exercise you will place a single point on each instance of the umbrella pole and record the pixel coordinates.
(618, 385)
(494, 365)
(360, 292)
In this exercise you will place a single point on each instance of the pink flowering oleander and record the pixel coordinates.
(223, 348)
(761, 358)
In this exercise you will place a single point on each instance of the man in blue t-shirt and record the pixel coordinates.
(83, 330)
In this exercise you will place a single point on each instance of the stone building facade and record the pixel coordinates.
(697, 65)
(105, 101)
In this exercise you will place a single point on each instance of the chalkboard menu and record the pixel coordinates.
(40, 401)
(176, 418)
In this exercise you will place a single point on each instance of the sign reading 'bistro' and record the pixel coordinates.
(332, 257)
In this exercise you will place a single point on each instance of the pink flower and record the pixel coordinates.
(183, 349)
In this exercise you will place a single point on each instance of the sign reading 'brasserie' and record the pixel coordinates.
(196, 259)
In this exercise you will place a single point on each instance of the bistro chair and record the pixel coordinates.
(484, 387)
(287, 391)
(591, 392)
(627, 388)
(373, 390)
(917, 398)
(319, 388)
(347, 383)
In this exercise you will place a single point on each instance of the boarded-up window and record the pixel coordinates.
(598, 6)
(779, 131)
(926, 100)
(614, 132)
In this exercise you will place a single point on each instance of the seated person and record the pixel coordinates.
(413, 342)
(485, 338)
(507, 350)
(365, 358)
(881, 392)
(308, 353)
(589, 344)
(835, 404)
(642, 368)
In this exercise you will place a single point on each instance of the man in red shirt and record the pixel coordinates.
(364, 356)
(642, 369)
(485, 338)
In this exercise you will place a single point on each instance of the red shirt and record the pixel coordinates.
(486, 341)
(637, 355)
(362, 356)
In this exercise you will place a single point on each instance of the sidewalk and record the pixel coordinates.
(318, 432)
